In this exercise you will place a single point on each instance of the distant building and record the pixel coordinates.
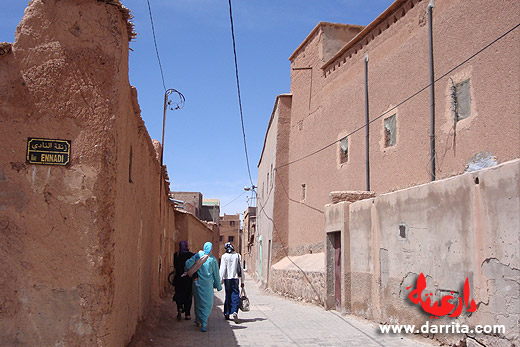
(229, 231)
(248, 241)
(211, 210)
(192, 202)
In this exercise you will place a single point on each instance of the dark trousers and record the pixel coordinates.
(232, 296)
(183, 295)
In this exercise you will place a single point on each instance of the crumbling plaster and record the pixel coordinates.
(458, 228)
(84, 247)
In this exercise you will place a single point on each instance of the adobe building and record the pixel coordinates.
(192, 202)
(272, 206)
(229, 232)
(363, 121)
(211, 210)
(86, 226)
(248, 240)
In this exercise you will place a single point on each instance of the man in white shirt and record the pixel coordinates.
(230, 272)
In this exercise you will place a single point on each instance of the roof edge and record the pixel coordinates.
(312, 33)
(382, 17)
(275, 106)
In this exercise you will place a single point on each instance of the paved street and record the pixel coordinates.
(272, 321)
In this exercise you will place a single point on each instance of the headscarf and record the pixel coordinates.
(207, 247)
(229, 247)
(183, 247)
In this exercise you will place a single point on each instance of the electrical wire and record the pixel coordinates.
(404, 101)
(238, 90)
(155, 43)
(233, 199)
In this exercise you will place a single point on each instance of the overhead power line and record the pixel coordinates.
(232, 201)
(155, 43)
(238, 90)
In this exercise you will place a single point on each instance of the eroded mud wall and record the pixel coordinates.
(82, 246)
(449, 230)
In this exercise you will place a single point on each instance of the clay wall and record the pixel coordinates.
(271, 242)
(193, 230)
(328, 103)
(299, 277)
(84, 246)
(449, 230)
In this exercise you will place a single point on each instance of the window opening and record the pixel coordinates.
(272, 176)
(231, 238)
(130, 166)
(462, 100)
(390, 131)
(343, 150)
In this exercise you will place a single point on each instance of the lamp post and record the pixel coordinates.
(253, 190)
(176, 106)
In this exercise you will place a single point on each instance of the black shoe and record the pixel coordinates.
(179, 315)
(226, 316)
(187, 317)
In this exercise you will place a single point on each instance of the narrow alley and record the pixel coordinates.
(272, 321)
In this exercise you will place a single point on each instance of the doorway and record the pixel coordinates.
(337, 269)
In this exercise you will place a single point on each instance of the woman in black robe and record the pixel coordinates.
(182, 282)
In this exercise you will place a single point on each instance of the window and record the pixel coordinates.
(304, 191)
(390, 131)
(232, 223)
(343, 150)
(231, 238)
(272, 177)
(462, 100)
(221, 238)
(130, 166)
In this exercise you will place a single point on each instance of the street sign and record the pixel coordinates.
(48, 151)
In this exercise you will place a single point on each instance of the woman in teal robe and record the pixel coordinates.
(208, 278)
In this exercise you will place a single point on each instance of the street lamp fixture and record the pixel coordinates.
(173, 104)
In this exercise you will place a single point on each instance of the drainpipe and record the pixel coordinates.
(367, 132)
(432, 91)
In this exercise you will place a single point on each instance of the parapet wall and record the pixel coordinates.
(465, 227)
(84, 246)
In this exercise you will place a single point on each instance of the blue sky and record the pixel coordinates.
(203, 143)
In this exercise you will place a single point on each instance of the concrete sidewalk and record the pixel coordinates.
(272, 321)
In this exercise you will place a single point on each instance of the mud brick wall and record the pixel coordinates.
(83, 246)
(449, 230)
(303, 286)
(300, 277)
